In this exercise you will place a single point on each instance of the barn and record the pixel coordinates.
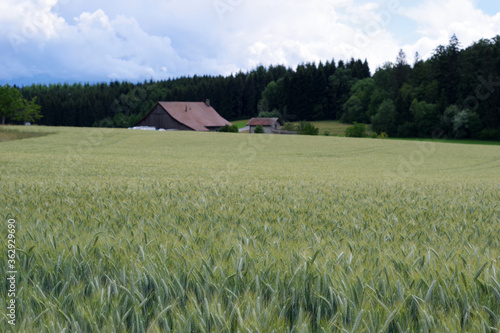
(183, 116)
(268, 124)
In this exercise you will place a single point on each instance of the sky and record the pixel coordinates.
(49, 41)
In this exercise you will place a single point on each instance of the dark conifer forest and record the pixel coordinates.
(455, 92)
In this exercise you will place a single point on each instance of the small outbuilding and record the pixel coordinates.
(269, 125)
(183, 116)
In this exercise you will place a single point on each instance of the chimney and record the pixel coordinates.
(207, 102)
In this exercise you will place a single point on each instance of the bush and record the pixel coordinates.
(306, 128)
(326, 133)
(259, 129)
(356, 131)
(289, 127)
(383, 135)
(374, 135)
(227, 128)
(489, 134)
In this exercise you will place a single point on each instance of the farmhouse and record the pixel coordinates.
(269, 124)
(184, 116)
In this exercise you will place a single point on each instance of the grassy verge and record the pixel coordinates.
(466, 142)
(240, 123)
(334, 128)
(10, 133)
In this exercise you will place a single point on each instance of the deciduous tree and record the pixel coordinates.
(11, 101)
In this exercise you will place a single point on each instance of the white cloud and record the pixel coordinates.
(95, 47)
(293, 32)
(161, 39)
(439, 20)
(136, 40)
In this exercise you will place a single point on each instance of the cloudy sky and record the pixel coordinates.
(135, 40)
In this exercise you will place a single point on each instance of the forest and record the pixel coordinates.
(454, 93)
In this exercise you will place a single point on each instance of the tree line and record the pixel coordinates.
(237, 96)
(455, 93)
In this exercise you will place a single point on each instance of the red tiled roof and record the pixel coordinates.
(196, 115)
(263, 121)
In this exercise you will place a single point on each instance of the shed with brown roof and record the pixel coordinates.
(184, 116)
(268, 124)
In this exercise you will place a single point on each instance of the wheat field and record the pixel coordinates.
(138, 231)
